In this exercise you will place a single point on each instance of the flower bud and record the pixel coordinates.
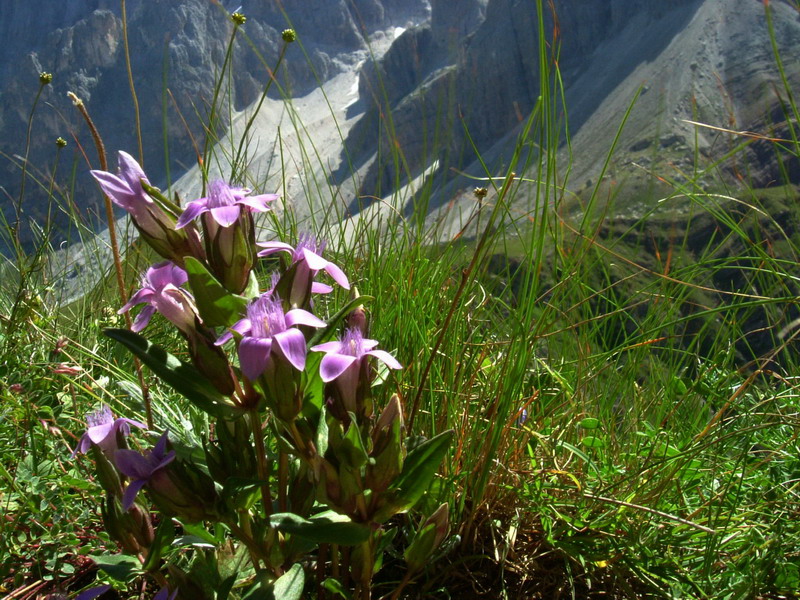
(429, 536)
(289, 35)
(61, 142)
(238, 19)
(45, 78)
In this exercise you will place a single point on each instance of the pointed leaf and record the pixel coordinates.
(161, 543)
(419, 469)
(325, 528)
(181, 376)
(217, 306)
(118, 566)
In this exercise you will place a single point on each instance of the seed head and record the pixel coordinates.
(61, 142)
(480, 192)
(289, 35)
(238, 18)
(45, 78)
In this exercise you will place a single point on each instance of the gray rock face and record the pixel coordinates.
(475, 68)
(177, 49)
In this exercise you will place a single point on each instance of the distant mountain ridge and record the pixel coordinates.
(459, 65)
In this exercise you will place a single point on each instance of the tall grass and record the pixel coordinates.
(624, 391)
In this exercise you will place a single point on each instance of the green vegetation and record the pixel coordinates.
(623, 389)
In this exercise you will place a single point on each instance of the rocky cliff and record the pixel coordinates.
(177, 50)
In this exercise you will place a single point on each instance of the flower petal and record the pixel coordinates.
(328, 347)
(338, 275)
(143, 318)
(387, 358)
(193, 210)
(292, 344)
(143, 295)
(132, 464)
(226, 215)
(253, 355)
(298, 316)
(130, 493)
(314, 260)
(333, 365)
(258, 203)
(320, 288)
(273, 247)
(242, 326)
(116, 189)
(130, 170)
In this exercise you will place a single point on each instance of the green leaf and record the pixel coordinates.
(161, 543)
(181, 376)
(288, 586)
(324, 528)
(419, 469)
(334, 586)
(118, 566)
(197, 530)
(589, 423)
(591, 441)
(217, 306)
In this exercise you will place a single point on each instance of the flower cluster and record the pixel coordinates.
(289, 369)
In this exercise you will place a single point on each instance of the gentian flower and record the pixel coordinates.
(102, 431)
(271, 334)
(156, 226)
(225, 204)
(143, 470)
(345, 366)
(161, 292)
(307, 261)
(341, 356)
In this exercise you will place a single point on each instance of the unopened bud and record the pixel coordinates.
(61, 142)
(289, 35)
(429, 536)
(45, 78)
(238, 19)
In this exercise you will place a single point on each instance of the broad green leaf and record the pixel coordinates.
(589, 423)
(288, 586)
(217, 306)
(334, 586)
(419, 469)
(181, 376)
(591, 441)
(118, 566)
(324, 528)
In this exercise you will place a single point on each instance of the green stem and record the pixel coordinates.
(261, 462)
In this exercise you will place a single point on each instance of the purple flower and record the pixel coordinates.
(163, 594)
(308, 253)
(264, 324)
(343, 358)
(126, 190)
(160, 291)
(103, 429)
(142, 469)
(225, 204)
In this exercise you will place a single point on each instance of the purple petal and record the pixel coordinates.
(130, 170)
(314, 260)
(387, 358)
(320, 288)
(93, 593)
(242, 326)
(226, 215)
(143, 295)
(83, 445)
(328, 347)
(130, 493)
(292, 344)
(253, 355)
(368, 344)
(193, 210)
(338, 275)
(99, 432)
(333, 365)
(132, 464)
(166, 273)
(298, 316)
(257, 203)
(116, 189)
(143, 318)
(273, 247)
